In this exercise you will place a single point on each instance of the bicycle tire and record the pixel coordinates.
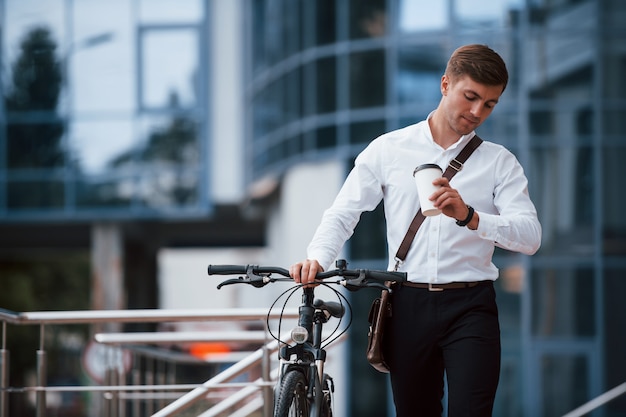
(291, 400)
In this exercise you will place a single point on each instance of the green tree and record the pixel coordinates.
(34, 128)
(33, 96)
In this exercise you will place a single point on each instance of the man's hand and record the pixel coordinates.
(304, 272)
(450, 202)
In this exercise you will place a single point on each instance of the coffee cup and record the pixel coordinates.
(424, 176)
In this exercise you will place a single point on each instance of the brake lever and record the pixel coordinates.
(251, 278)
(361, 282)
(231, 281)
(378, 285)
(357, 283)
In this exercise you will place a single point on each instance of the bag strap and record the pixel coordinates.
(455, 165)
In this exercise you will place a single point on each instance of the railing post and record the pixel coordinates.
(4, 383)
(41, 383)
(4, 373)
(112, 398)
(268, 392)
(42, 375)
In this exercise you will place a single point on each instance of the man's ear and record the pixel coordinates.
(445, 84)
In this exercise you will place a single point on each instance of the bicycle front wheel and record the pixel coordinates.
(291, 400)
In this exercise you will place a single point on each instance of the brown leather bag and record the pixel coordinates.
(379, 314)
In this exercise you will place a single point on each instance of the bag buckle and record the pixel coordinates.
(456, 165)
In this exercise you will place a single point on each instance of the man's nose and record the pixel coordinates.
(477, 110)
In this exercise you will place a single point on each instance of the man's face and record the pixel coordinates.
(467, 103)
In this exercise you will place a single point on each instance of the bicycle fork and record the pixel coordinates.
(309, 356)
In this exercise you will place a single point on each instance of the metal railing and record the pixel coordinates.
(598, 402)
(113, 391)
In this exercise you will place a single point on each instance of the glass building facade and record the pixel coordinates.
(96, 121)
(326, 77)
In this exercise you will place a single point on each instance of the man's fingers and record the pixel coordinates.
(304, 272)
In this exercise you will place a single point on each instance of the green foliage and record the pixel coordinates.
(40, 284)
(34, 130)
(36, 74)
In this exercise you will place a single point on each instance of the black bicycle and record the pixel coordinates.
(303, 389)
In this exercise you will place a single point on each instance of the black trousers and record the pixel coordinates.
(455, 331)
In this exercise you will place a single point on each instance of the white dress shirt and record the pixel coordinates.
(492, 181)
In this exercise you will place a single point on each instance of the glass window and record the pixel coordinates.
(273, 42)
(413, 117)
(368, 19)
(502, 127)
(326, 137)
(171, 11)
(419, 74)
(101, 63)
(165, 85)
(169, 162)
(167, 141)
(367, 79)
(108, 191)
(268, 111)
(71, 93)
(35, 194)
(257, 35)
(296, 145)
(168, 187)
(326, 69)
(481, 14)
(292, 25)
(276, 151)
(325, 21)
(613, 203)
(422, 15)
(292, 95)
(37, 144)
(365, 132)
(561, 184)
(96, 145)
(563, 302)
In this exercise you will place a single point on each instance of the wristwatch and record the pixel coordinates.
(468, 219)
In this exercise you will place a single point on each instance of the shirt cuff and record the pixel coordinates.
(487, 226)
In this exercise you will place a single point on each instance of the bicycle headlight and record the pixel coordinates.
(299, 334)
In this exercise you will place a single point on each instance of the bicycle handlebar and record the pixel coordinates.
(354, 279)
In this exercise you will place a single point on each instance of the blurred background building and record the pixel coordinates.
(131, 130)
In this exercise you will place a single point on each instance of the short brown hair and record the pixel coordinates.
(481, 63)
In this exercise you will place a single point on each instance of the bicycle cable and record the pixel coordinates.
(293, 290)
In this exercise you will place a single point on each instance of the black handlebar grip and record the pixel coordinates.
(394, 276)
(227, 269)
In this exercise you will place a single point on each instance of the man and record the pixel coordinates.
(454, 328)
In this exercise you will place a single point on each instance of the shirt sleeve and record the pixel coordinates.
(361, 191)
(516, 226)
